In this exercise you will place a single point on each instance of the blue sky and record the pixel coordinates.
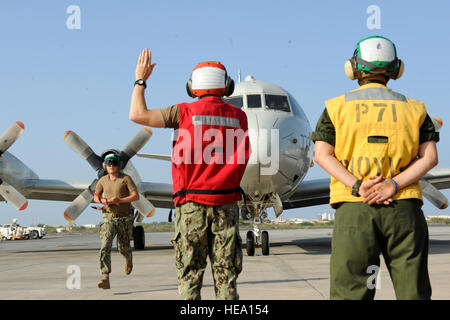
(55, 79)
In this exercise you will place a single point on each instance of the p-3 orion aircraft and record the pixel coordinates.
(277, 126)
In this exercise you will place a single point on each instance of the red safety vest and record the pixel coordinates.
(210, 152)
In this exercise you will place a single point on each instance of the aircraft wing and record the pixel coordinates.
(316, 192)
(439, 178)
(308, 193)
(58, 190)
(160, 194)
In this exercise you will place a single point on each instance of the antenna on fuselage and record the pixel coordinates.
(239, 75)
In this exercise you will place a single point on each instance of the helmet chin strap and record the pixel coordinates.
(352, 71)
(374, 66)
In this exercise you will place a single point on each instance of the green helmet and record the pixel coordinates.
(111, 156)
(374, 55)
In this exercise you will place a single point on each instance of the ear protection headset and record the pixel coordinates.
(355, 66)
(226, 90)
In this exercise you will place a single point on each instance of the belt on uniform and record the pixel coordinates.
(183, 192)
(118, 214)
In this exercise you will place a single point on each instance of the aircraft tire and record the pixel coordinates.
(34, 234)
(250, 243)
(139, 238)
(265, 245)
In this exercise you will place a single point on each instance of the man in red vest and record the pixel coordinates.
(210, 153)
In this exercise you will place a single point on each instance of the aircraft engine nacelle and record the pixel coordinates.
(14, 172)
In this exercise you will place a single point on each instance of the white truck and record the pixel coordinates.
(36, 232)
(16, 232)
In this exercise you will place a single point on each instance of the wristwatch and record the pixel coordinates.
(141, 83)
(355, 188)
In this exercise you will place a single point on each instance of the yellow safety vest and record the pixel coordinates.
(377, 133)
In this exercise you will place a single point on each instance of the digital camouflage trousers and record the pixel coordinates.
(123, 228)
(202, 231)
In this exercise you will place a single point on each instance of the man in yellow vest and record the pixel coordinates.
(376, 144)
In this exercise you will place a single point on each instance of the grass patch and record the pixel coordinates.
(159, 226)
(439, 221)
(75, 229)
(304, 225)
(170, 226)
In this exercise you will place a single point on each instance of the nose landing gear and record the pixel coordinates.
(265, 246)
(257, 238)
(250, 243)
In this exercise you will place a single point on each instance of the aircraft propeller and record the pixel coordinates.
(80, 147)
(8, 192)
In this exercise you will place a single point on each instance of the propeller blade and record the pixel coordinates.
(80, 203)
(135, 144)
(433, 195)
(10, 194)
(144, 206)
(83, 150)
(155, 156)
(11, 135)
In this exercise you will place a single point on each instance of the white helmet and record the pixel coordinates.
(374, 55)
(209, 77)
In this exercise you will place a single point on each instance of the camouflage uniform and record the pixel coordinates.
(123, 227)
(118, 219)
(202, 230)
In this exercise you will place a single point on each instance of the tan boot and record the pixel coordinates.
(128, 266)
(104, 283)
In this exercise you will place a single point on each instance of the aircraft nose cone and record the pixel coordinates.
(278, 152)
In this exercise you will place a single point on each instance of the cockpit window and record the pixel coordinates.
(253, 101)
(298, 111)
(235, 101)
(275, 102)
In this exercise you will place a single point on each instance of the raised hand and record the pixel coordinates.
(144, 67)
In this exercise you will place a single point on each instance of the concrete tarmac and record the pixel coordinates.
(297, 268)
